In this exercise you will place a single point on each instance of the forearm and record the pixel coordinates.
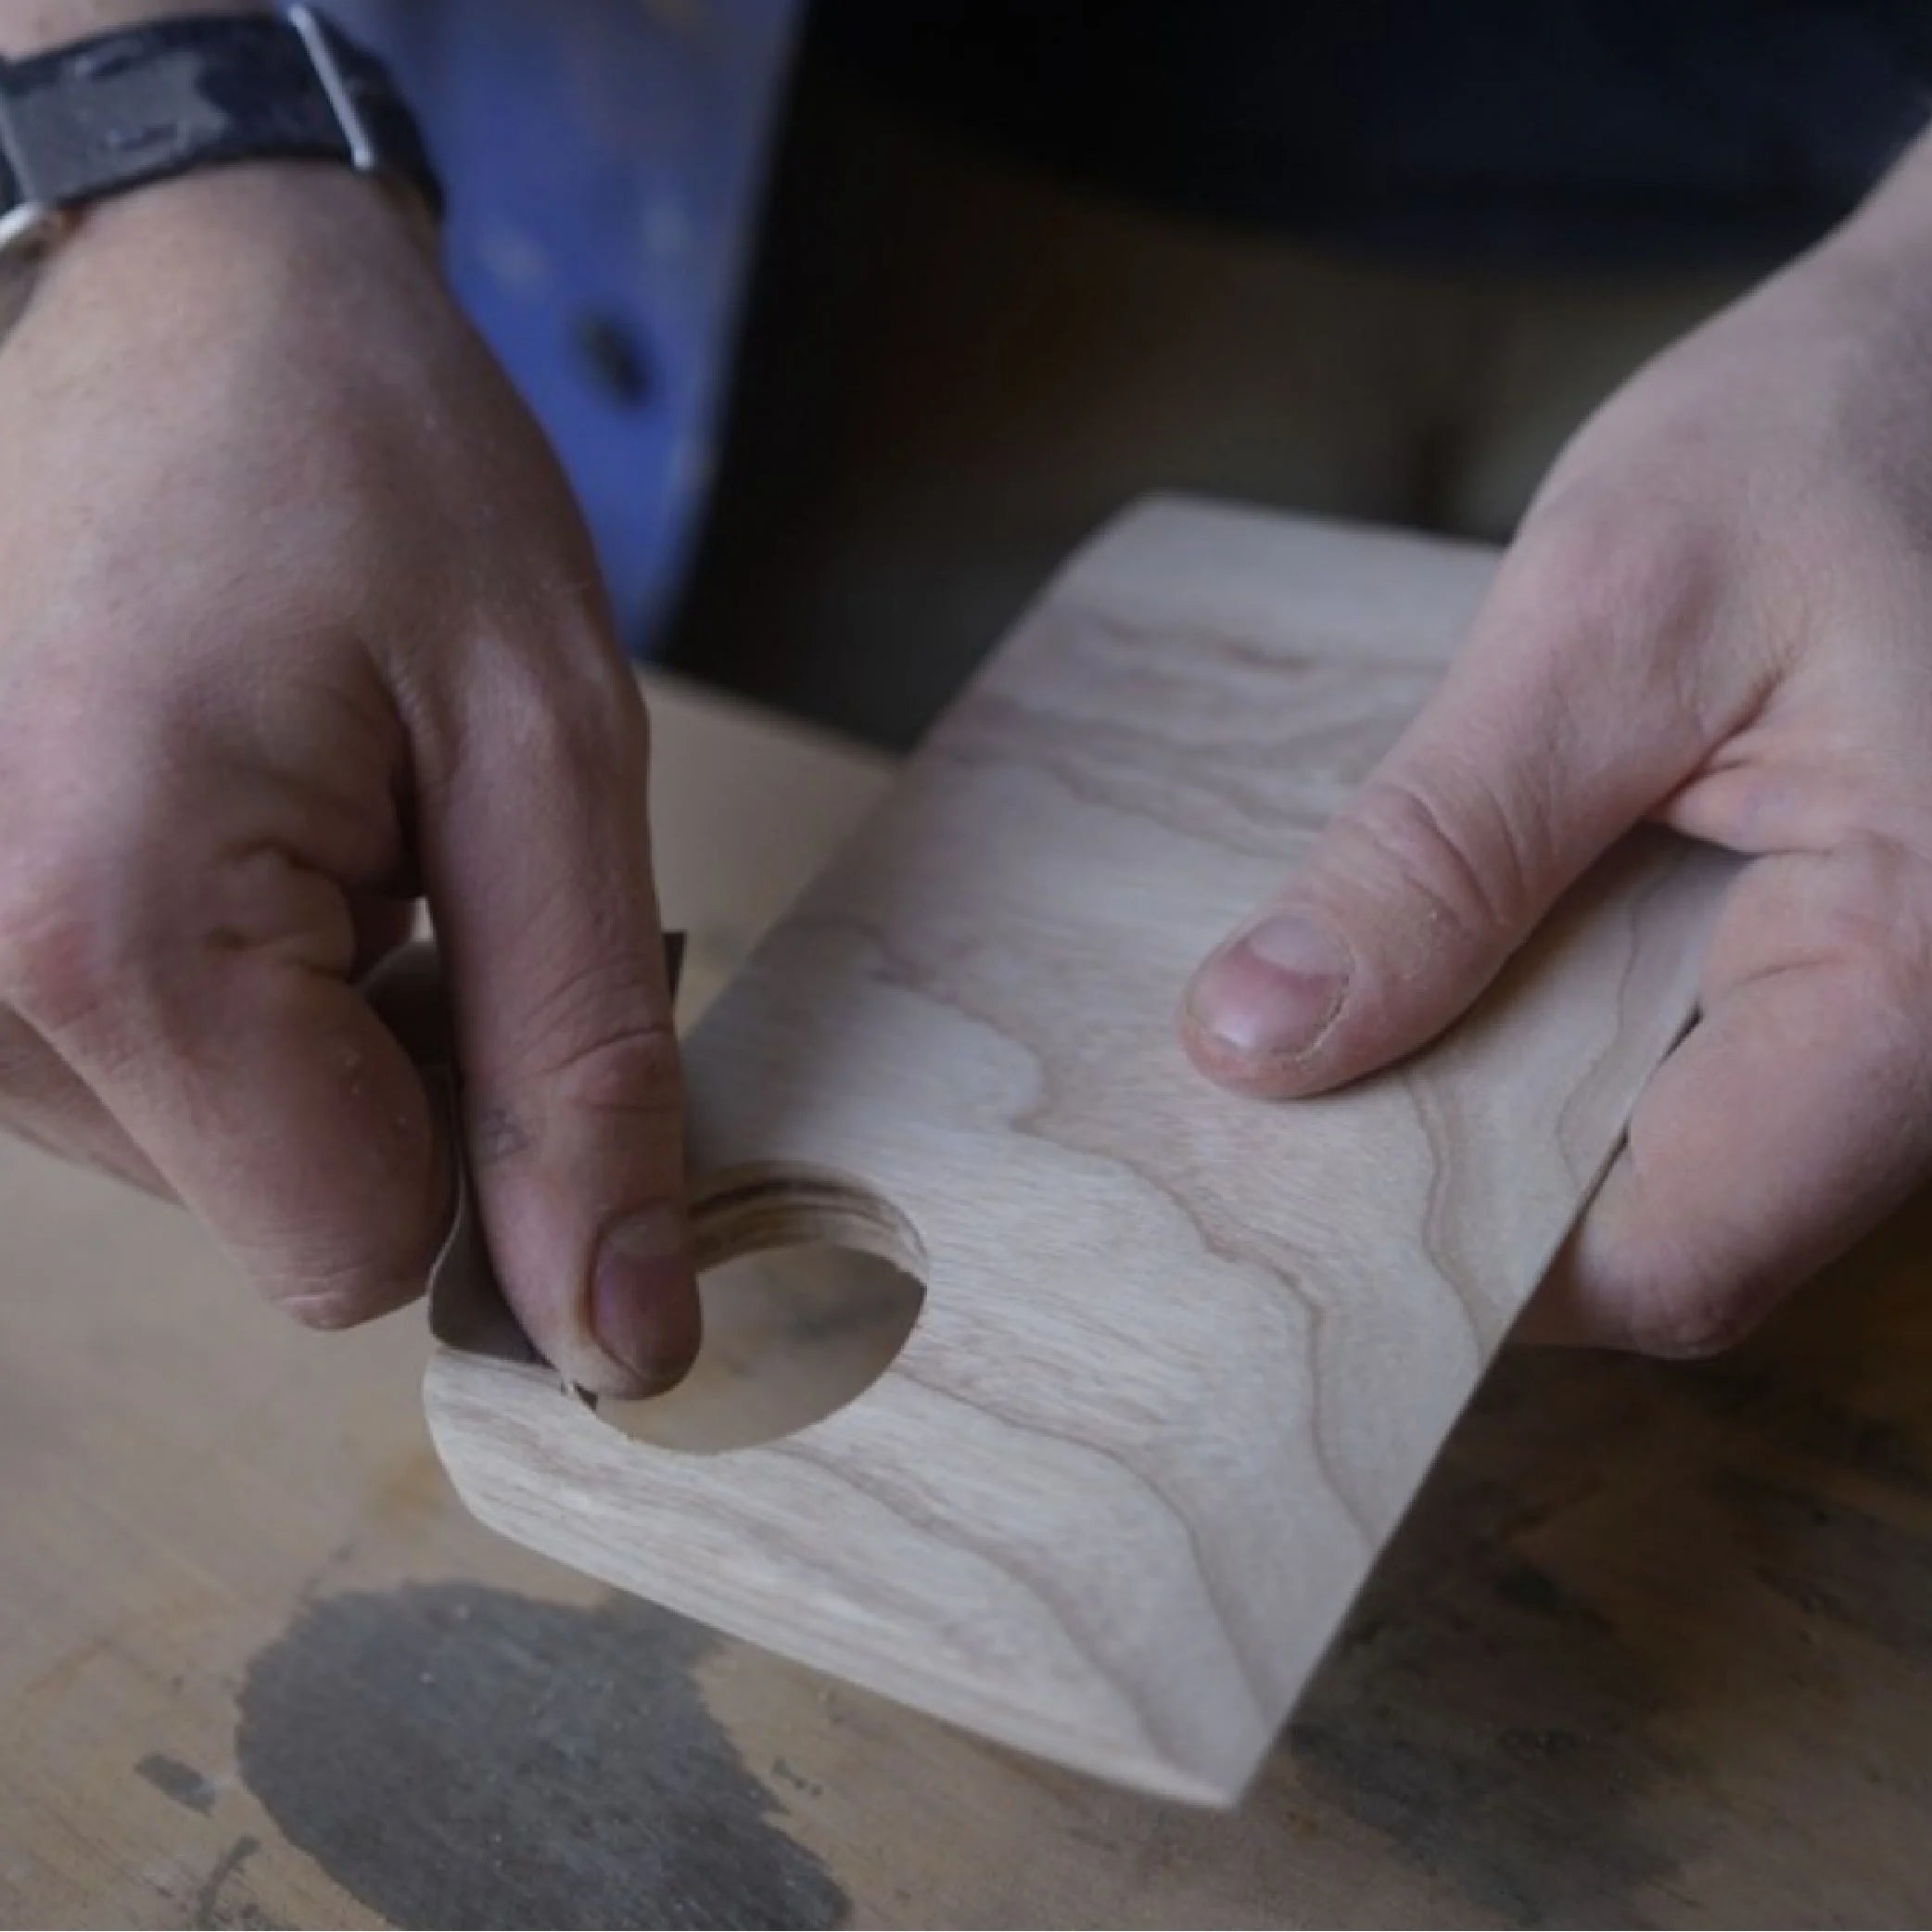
(32, 26)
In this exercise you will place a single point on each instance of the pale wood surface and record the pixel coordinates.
(1654, 1647)
(1184, 1358)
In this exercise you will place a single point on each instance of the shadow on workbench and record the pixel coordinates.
(1656, 1645)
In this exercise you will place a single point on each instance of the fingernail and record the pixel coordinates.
(1275, 990)
(643, 1298)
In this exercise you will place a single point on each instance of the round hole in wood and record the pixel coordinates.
(810, 1283)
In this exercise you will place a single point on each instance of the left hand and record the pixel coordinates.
(1718, 614)
(301, 622)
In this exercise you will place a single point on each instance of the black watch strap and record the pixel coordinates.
(100, 116)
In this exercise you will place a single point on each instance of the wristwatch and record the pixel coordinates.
(169, 96)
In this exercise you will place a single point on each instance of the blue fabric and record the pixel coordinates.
(603, 160)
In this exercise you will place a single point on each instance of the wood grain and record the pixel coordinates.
(1653, 1647)
(1183, 1359)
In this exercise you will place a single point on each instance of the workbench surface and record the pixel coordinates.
(1655, 1648)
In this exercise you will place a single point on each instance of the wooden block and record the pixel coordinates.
(1183, 1358)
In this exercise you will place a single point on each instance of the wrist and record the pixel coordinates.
(30, 27)
(98, 145)
(182, 232)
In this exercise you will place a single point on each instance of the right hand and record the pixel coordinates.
(300, 621)
(1718, 616)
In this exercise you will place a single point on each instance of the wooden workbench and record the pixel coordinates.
(1655, 1647)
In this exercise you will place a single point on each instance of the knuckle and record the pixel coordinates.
(1467, 864)
(630, 1070)
(344, 1296)
(598, 1041)
(1634, 573)
(582, 727)
(1865, 914)
(1868, 912)
(329, 1260)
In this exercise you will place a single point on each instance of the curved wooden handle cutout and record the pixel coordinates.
(811, 1286)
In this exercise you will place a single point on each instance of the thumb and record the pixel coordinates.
(536, 861)
(1535, 754)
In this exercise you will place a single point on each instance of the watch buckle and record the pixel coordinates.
(26, 220)
(362, 154)
(29, 228)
